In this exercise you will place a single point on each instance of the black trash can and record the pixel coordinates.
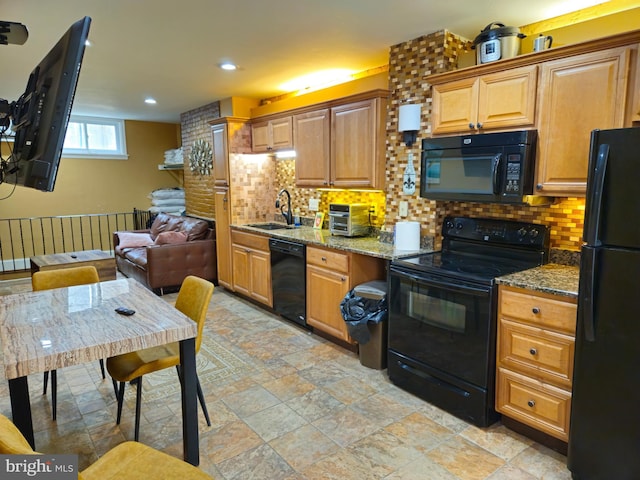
(364, 310)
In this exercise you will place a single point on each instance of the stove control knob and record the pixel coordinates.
(522, 232)
(459, 226)
(449, 224)
(534, 233)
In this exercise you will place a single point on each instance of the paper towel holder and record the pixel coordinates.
(409, 122)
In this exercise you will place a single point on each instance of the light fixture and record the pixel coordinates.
(228, 66)
(150, 101)
(286, 154)
(409, 122)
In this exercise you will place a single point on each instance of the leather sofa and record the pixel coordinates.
(162, 256)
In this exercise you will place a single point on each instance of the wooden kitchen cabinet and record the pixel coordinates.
(535, 354)
(223, 236)
(220, 151)
(330, 275)
(503, 99)
(577, 94)
(311, 135)
(272, 134)
(252, 266)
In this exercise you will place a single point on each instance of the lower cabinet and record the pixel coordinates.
(330, 275)
(535, 353)
(252, 266)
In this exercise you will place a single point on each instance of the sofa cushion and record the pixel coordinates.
(195, 228)
(164, 238)
(137, 256)
(133, 240)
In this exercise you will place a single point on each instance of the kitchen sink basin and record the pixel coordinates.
(269, 225)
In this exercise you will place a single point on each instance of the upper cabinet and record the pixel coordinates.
(499, 100)
(577, 95)
(220, 154)
(311, 135)
(271, 135)
(564, 93)
(342, 145)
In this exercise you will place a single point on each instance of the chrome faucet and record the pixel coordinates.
(288, 215)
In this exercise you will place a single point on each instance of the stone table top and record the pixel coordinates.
(550, 278)
(51, 329)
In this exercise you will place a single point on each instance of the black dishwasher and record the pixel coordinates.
(288, 279)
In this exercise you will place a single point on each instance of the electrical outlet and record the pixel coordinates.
(372, 210)
(404, 208)
(314, 204)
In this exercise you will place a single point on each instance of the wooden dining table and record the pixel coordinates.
(52, 329)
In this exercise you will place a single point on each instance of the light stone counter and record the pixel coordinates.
(371, 246)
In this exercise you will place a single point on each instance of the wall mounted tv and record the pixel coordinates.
(41, 115)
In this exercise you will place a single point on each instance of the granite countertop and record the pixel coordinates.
(550, 278)
(371, 246)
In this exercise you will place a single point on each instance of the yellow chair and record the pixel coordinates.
(59, 278)
(129, 460)
(193, 300)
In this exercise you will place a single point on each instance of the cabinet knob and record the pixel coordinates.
(343, 279)
(538, 186)
(533, 351)
(324, 259)
(535, 310)
(479, 125)
(471, 126)
(531, 403)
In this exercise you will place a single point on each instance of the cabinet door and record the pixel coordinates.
(312, 143)
(577, 94)
(355, 153)
(220, 155)
(241, 269)
(223, 237)
(281, 133)
(455, 106)
(325, 291)
(261, 277)
(260, 141)
(507, 99)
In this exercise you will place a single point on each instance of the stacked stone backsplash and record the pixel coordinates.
(409, 65)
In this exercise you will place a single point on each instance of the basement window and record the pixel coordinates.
(94, 137)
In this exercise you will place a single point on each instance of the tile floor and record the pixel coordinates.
(284, 404)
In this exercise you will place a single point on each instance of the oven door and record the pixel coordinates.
(443, 323)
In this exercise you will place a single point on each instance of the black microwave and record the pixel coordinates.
(488, 167)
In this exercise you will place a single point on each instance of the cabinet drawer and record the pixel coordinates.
(534, 403)
(542, 311)
(537, 352)
(330, 259)
(251, 240)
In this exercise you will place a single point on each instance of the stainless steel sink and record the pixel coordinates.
(269, 225)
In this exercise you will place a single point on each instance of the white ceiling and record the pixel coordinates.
(170, 49)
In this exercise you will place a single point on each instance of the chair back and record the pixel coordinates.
(193, 300)
(12, 442)
(64, 277)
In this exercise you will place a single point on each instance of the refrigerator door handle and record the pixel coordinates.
(595, 199)
(586, 310)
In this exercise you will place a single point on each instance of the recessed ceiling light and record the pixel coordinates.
(228, 66)
(150, 101)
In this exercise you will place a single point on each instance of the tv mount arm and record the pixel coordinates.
(13, 32)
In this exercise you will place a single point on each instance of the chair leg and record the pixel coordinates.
(138, 405)
(46, 381)
(104, 375)
(204, 405)
(200, 395)
(120, 395)
(115, 388)
(54, 392)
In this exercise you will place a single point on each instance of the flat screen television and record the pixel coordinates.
(41, 115)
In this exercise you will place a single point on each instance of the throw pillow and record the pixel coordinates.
(133, 240)
(164, 238)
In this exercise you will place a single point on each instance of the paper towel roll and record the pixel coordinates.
(407, 236)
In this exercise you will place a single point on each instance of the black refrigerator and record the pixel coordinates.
(604, 438)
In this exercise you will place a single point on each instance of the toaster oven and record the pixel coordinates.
(349, 219)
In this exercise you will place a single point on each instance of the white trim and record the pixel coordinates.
(121, 143)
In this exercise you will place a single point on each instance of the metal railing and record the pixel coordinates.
(22, 238)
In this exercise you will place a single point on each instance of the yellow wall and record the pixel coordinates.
(102, 186)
